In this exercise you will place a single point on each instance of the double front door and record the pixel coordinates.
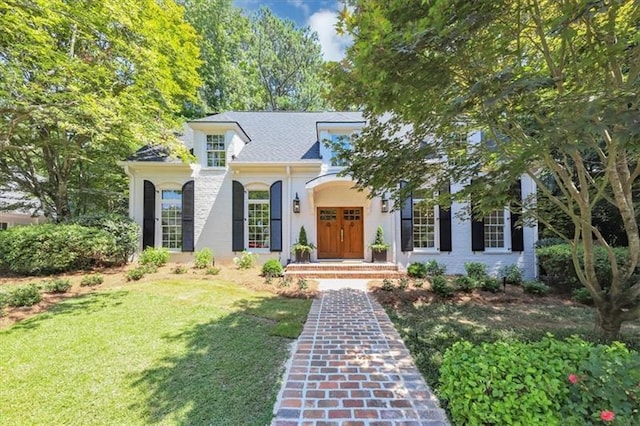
(340, 233)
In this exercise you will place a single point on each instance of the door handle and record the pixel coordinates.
(341, 235)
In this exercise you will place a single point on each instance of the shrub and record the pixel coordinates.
(441, 287)
(417, 270)
(509, 382)
(203, 258)
(58, 285)
(272, 268)
(136, 273)
(491, 284)
(512, 273)
(212, 270)
(476, 270)
(378, 244)
(91, 280)
(535, 287)
(26, 295)
(247, 260)
(403, 283)
(387, 285)
(149, 268)
(50, 249)
(123, 229)
(418, 283)
(154, 256)
(3, 302)
(285, 282)
(551, 241)
(433, 268)
(606, 380)
(465, 284)
(303, 284)
(557, 263)
(582, 295)
(179, 269)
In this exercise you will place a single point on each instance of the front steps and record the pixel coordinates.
(344, 270)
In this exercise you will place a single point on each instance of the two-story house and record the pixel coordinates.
(260, 176)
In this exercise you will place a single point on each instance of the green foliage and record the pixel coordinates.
(606, 380)
(302, 245)
(491, 284)
(285, 281)
(154, 256)
(476, 270)
(302, 284)
(49, 248)
(508, 381)
(418, 283)
(136, 273)
(535, 287)
(272, 268)
(403, 283)
(25, 295)
(441, 287)
(378, 244)
(582, 295)
(513, 273)
(387, 285)
(149, 268)
(203, 258)
(57, 285)
(551, 241)
(212, 270)
(91, 280)
(433, 268)
(417, 270)
(180, 269)
(247, 260)
(557, 263)
(123, 229)
(465, 284)
(84, 84)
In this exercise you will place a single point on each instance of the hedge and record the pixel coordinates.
(50, 249)
(122, 228)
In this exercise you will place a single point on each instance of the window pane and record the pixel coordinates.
(258, 219)
(344, 141)
(494, 229)
(424, 226)
(171, 219)
(216, 151)
(258, 195)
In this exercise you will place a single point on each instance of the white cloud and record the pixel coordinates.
(300, 4)
(333, 45)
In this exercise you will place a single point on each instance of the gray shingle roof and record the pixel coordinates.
(153, 153)
(281, 136)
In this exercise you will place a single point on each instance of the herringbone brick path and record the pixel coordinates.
(350, 367)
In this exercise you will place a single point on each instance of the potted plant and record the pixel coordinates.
(302, 248)
(379, 247)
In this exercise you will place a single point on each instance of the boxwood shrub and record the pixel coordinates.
(272, 268)
(417, 270)
(25, 295)
(51, 249)
(123, 229)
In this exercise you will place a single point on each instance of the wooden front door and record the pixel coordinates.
(340, 233)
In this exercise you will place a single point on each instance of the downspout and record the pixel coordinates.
(288, 209)
(393, 236)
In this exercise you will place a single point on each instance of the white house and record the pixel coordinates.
(253, 167)
(17, 209)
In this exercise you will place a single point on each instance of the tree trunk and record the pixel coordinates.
(608, 322)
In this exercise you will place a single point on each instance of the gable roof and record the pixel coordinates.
(278, 136)
(156, 153)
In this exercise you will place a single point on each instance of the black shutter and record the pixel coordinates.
(275, 216)
(517, 234)
(149, 215)
(237, 227)
(406, 222)
(477, 229)
(187, 216)
(445, 222)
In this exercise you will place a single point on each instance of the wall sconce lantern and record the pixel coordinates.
(384, 205)
(296, 204)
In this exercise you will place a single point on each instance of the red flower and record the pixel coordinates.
(607, 416)
(573, 378)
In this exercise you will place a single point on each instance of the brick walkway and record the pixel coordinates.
(350, 367)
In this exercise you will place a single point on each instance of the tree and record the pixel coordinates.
(553, 86)
(82, 84)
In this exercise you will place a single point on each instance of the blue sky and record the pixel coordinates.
(320, 15)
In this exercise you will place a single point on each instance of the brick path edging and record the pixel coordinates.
(350, 367)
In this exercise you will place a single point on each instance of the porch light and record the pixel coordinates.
(384, 205)
(296, 204)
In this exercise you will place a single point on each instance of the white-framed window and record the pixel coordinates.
(171, 218)
(258, 226)
(495, 230)
(424, 223)
(216, 151)
(344, 141)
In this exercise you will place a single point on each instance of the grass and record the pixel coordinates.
(173, 351)
(429, 329)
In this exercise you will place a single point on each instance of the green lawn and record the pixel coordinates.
(429, 329)
(167, 352)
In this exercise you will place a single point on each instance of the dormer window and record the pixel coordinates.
(339, 142)
(216, 151)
